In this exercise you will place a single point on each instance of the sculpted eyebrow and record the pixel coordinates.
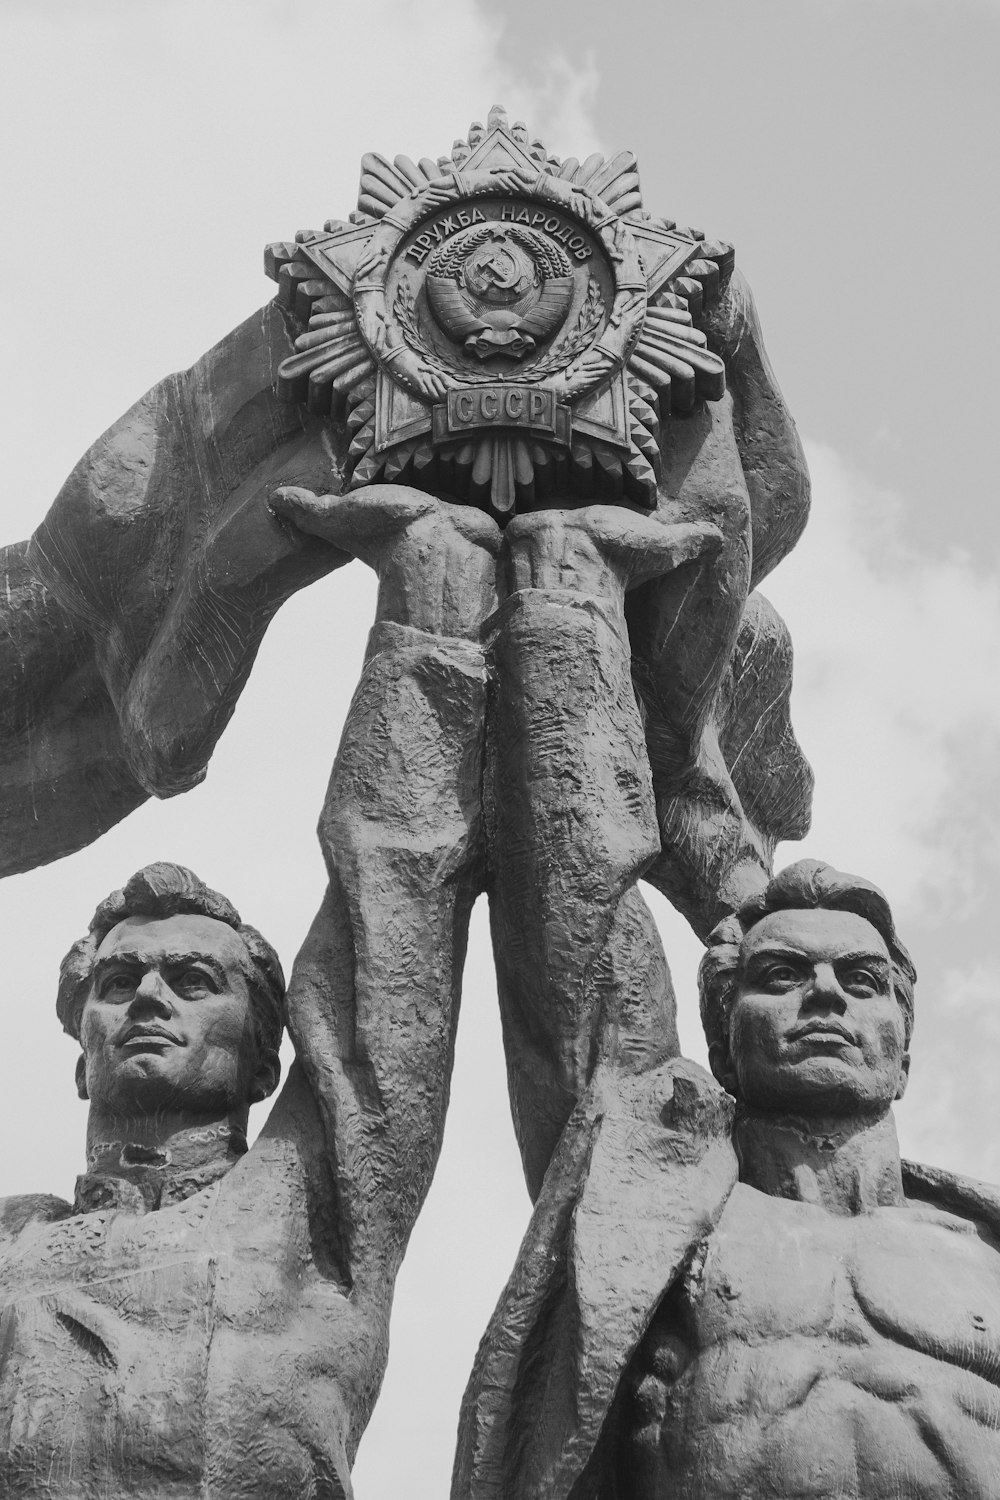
(197, 960)
(135, 960)
(779, 950)
(119, 961)
(795, 956)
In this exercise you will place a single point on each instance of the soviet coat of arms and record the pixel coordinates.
(502, 326)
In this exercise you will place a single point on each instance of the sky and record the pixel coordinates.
(847, 149)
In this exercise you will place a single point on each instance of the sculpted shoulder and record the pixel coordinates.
(24, 1210)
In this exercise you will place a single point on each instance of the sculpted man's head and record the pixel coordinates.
(807, 997)
(177, 1004)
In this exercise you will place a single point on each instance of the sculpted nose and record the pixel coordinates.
(152, 996)
(824, 991)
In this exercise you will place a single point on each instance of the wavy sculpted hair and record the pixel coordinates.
(166, 890)
(807, 884)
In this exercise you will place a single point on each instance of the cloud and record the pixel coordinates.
(895, 702)
(949, 1114)
(159, 149)
(896, 707)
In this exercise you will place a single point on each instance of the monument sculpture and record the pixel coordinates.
(762, 1300)
(183, 1326)
(545, 418)
(577, 389)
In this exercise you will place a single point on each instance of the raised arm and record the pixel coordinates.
(711, 660)
(771, 456)
(64, 778)
(132, 617)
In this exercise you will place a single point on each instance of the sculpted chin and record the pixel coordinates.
(758, 1298)
(183, 1327)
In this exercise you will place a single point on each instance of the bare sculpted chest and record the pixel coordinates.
(823, 1358)
(119, 1331)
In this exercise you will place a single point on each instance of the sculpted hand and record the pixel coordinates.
(584, 372)
(585, 549)
(364, 519)
(367, 515)
(517, 181)
(436, 561)
(439, 191)
(645, 546)
(371, 258)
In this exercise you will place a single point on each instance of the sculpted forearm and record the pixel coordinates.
(185, 684)
(64, 778)
(161, 551)
(570, 813)
(771, 453)
(374, 997)
(712, 666)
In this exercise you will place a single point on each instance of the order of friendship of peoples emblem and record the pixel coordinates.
(501, 326)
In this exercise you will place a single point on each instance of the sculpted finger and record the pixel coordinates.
(393, 506)
(303, 508)
(647, 545)
(387, 507)
(656, 550)
(474, 524)
(363, 520)
(691, 539)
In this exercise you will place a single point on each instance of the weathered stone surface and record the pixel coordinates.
(133, 615)
(550, 713)
(709, 1304)
(186, 1326)
(376, 987)
(501, 326)
(640, 1174)
(571, 819)
(712, 661)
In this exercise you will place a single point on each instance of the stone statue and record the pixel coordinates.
(184, 1326)
(545, 417)
(713, 1302)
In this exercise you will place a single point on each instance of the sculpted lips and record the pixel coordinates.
(822, 1031)
(139, 1035)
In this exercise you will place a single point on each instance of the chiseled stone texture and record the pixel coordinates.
(548, 714)
(754, 1298)
(208, 1347)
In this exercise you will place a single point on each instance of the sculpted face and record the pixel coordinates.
(167, 1024)
(815, 1027)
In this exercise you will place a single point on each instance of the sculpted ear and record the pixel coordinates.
(81, 1077)
(721, 1064)
(265, 1076)
(904, 1075)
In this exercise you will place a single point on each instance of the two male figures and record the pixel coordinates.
(185, 1326)
(704, 1305)
(714, 1303)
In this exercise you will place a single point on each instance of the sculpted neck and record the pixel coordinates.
(147, 1160)
(845, 1166)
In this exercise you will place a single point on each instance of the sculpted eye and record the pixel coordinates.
(115, 986)
(780, 975)
(196, 981)
(864, 981)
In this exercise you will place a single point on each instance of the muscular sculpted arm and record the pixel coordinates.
(711, 659)
(571, 821)
(63, 776)
(770, 450)
(133, 614)
(373, 1000)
